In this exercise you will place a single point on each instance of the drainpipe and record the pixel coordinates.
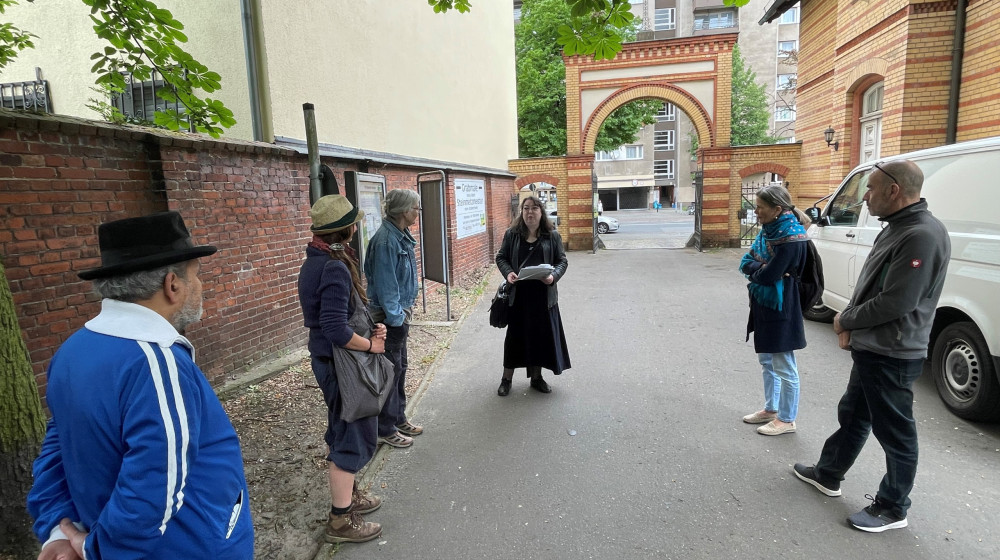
(957, 53)
(312, 146)
(250, 53)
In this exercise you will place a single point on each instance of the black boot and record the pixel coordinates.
(504, 388)
(537, 383)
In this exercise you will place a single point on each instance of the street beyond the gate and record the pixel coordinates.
(639, 451)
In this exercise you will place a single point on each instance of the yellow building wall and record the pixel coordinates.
(384, 76)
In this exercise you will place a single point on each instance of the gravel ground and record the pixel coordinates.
(281, 421)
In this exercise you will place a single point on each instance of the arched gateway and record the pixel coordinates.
(692, 73)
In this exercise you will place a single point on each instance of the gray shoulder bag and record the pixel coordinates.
(365, 379)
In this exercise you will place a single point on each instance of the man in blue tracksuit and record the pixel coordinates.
(887, 327)
(139, 459)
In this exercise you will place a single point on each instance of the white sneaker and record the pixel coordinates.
(772, 429)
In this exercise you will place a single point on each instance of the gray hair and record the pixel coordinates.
(137, 286)
(399, 201)
(779, 197)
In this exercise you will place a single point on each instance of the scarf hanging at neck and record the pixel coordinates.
(785, 229)
(318, 243)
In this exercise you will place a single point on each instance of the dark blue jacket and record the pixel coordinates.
(778, 331)
(325, 294)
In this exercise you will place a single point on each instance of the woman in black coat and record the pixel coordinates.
(774, 265)
(535, 337)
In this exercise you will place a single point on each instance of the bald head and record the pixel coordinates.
(907, 175)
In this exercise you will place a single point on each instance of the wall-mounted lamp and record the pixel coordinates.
(828, 134)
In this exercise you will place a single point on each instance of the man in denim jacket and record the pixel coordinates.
(391, 269)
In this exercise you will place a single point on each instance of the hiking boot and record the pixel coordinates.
(350, 527)
(808, 475)
(408, 428)
(876, 518)
(396, 440)
(362, 502)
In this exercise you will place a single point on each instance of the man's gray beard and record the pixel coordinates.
(190, 313)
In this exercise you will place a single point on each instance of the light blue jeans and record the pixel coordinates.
(781, 384)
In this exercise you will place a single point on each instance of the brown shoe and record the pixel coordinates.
(363, 503)
(409, 429)
(350, 527)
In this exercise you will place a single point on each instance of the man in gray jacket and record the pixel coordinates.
(887, 327)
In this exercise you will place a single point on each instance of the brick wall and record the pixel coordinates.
(847, 46)
(60, 177)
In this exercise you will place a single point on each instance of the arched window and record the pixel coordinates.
(871, 123)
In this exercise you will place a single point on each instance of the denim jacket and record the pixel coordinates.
(391, 269)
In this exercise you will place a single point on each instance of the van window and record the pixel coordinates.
(846, 206)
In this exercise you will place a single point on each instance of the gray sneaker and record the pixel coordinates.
(808, 475)
(876, 518)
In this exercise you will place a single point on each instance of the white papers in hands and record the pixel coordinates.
(539, 272)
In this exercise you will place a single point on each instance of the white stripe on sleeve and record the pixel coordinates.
(168, 426)
(182, 418)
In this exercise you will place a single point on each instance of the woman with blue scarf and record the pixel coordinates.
(773, 265)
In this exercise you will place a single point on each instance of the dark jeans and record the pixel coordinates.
(394, 410)
(879, 400)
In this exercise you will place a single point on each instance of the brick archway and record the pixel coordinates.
(667, 92)
(758, 168)
(536, 178)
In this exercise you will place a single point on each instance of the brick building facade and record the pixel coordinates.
(901, 50)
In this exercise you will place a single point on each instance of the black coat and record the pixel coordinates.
(552, 253)
(778, 331)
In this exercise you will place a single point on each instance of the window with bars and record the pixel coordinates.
(663, 169)
(663, 140)
(139, 101)
(667, 112)
(664, 19)
(29, 96)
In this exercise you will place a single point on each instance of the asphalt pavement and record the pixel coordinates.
(639, 451)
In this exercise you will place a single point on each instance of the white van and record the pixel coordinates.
(962, 188)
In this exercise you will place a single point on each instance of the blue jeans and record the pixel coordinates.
(781, 384)
(394, 410)
(879, 400)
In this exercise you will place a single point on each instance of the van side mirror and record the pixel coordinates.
(813, 214)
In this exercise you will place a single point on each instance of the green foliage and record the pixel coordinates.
(441, 6)
(541, 86)
(750, 109)
(144, 40)
(12, 39)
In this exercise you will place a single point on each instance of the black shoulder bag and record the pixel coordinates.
(500, 308)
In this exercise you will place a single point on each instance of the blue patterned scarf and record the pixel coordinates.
(783, 230)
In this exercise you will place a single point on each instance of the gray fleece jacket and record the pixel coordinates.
(892, 309)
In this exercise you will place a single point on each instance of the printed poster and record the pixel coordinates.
(470, 207)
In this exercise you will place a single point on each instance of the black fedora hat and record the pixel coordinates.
(145, 243)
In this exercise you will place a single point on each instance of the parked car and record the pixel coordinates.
(553, 217)
(961, 191)
(606, 224)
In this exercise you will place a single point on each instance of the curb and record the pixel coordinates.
(366, 476)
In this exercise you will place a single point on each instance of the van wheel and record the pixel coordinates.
(964, 373)
(819, 313)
